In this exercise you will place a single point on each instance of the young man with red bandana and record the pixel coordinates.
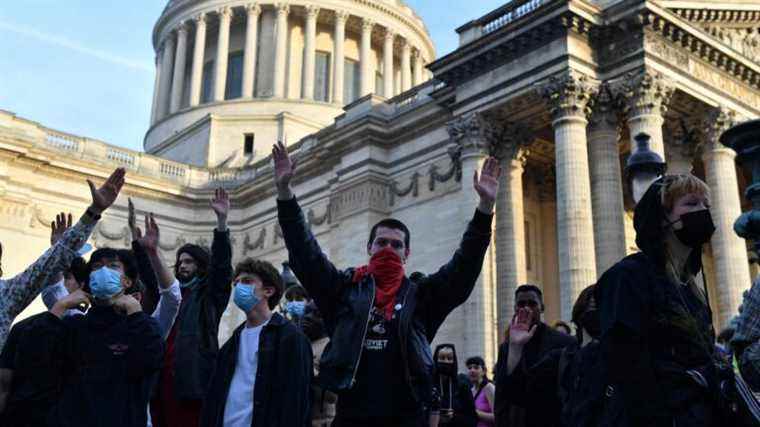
(381, 323)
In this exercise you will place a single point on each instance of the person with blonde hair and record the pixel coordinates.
(656, 324)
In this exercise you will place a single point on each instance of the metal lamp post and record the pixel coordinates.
(643, 167)
(744, 138)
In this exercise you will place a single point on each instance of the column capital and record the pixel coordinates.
(282, 8)
(568, 95)
(416, 54)
(389, 34)
(508, 140)
(182, 28)
(717, 121)
(605, 109)
(682, 140)
(341, 16)
(312, 11)
(224, 12)
(253, 9)
(468, 132)
(645, 93)
(200, 19)
(367, 24)
(405, 46)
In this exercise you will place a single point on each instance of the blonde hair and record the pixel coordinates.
(677, 186)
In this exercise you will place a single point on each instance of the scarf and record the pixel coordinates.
(386, 268)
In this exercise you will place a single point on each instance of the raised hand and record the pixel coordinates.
(284, 170)
(221, 206)
(59, 226)
(152, 235)
(103, 197)
(126, 304)
(521, 330)
(132, 221)
(487, 184)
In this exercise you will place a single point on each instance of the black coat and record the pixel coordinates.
(346, 305)
(196, 341)
(109, 363)
(283, 377)
(653, 332)
(541, 413)
(455, 394)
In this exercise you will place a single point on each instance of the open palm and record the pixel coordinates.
(221, 203)
(103, 197)
(284, 166)
(487, 182)
(521, 330)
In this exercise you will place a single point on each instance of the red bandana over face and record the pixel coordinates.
(388, 270)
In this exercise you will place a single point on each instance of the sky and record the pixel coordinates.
(87, 67)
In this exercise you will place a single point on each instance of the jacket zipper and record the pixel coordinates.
(364, 336)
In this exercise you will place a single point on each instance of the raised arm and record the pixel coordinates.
(219, 280)
(18, 292)
(453, 283)
(315, 272)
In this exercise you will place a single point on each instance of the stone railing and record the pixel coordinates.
(135, 161)
(415, 96)
(499, 18)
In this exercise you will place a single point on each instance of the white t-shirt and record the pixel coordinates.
(238, 411)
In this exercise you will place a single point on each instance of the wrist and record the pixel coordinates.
(94, 210)
(221, 223)
(284, 193)
(486, 207)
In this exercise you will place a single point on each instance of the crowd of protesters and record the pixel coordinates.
(129, 341)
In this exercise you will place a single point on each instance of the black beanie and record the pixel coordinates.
(199, 254)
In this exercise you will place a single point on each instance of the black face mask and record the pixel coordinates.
(591, 323)
(697, 228)
(446, 368)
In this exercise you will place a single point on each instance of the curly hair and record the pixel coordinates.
(270, 277)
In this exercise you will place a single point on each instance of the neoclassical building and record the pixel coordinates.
(556, 89)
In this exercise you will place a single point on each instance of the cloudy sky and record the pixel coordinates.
(86, 66)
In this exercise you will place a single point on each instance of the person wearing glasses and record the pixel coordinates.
(528, 300)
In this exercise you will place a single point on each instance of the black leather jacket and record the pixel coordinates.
(346, 305)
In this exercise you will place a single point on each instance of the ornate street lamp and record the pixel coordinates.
(643, 167)
(744, 138)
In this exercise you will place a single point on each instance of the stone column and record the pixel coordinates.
(280, 49)
(509, 143)
(199, 55)
(417, 67)
(156, 89)
(249, 55)
(406, 66)
(606, 182)
(467, 132)
(178, 81)
(680, 148)
(222, 53)
(647, 95)
(339, 58)
(729, 251)
(367, 76)
(568, 97)
(388, 63)
(312, 13)
(167, 66)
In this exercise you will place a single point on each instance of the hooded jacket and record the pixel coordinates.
(346, 305)
(656, 336)
(454, 393)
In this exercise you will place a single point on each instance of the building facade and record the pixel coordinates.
(556, 89)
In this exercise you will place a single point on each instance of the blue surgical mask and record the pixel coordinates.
(295, 308)
(105, 283)
(245, 297)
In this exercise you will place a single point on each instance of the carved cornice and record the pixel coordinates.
(568, 95)
(713, 15)
(644, 93)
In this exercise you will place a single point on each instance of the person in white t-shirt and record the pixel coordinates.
(264, 370)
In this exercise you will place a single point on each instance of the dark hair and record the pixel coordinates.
(392, 224)
(531, 288)
(293, 291)
(79, 270)
(198, 253)
(269, 275)
(125, 256)
(478, 361)
(561, 324)
(582, 303)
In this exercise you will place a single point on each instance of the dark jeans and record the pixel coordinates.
(408, 421)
